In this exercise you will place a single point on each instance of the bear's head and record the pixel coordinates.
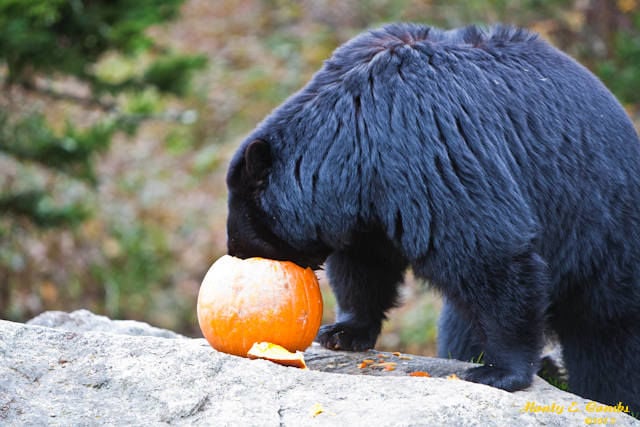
(326, 165)
(251, 228)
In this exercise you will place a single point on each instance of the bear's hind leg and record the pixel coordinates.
(458, 338)
(364, 278)
(507, 303)
(602, 357)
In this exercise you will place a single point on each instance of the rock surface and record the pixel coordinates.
(84, 321)
(81, 369)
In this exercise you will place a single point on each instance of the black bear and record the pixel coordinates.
(489, 162)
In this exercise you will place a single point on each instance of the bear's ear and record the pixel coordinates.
(257, 160)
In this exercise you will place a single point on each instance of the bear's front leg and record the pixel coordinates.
(364, 278)
(508, 304)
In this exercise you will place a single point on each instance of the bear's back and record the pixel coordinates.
(495, 126)
(483, 139)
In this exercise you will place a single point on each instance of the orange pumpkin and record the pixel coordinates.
(242, 302)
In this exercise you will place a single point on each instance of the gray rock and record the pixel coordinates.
(72, 377)
(84, 320)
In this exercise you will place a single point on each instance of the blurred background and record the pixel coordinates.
(118, 117)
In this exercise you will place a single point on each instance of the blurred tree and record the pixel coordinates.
(53, 51)
(76, 73)
(614, 29)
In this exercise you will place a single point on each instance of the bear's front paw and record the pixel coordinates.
(344, 336)
(506, 379)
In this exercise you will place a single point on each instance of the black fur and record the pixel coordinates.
(489, 162)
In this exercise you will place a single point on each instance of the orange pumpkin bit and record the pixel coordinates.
(365, 363)
(276, 353)
(419, 374)
(387, 366)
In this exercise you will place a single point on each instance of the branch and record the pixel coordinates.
(185, 117)
(66, 96)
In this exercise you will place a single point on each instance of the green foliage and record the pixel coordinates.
(478, 359)
(66, 99)
(64, 36)
(39, 206)
(31, 139)
(553, 377)
(419, 322)
(138, 264)
(43, 38)
(172, 73)
(620, 72)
